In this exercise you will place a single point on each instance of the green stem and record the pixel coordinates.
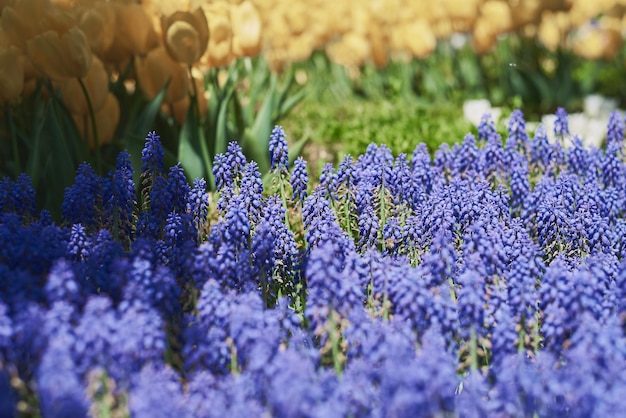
(474, 350)
(206, 158)
(94, 128)
(335, 345)
(16, 151)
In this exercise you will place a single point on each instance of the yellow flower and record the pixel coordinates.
(134, 33)
(186, 35)
(219, 52)
(60, 56)
(97, 83)
(107, 119)
(11, 73)
(98, 24)
(246, 22)
(155, 69)
(419, 38)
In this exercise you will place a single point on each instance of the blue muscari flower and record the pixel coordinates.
(465, 156)
(79, 244)
(561, 126)
(540, 149)
(6, 334)
(612, 167)
(82, 201)
(62, 285)
(492, 159)
(328, 181)
(161, 205)
(152, 157)
(503, 335)
(205, 335)
(618, 238)
(440, 262)
(285, 249)
(222, 172)
(299, 180)
(330, 287)
(197, 204)
(317, 215)
(157, 392)
(421, 171)
(178, 188)
(442, 163)
(392, 236)
(237, 230)
(400, 179)
(99, 269)
(518, 182)
(486, 128)
(235, 160)
(262, 246)
(151, 283)
(552, 224)
(18, 196)
(279, 157)
(121, 202)
(345, 173)
(471, 303)
(252, 191)
(59, 388)
(518, 138)
(368, 228)
(615, 130)
(577, 157)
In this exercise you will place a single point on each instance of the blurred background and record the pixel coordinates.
(84, 80)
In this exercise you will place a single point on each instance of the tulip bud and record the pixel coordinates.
(11, 73)
(155, 69)
(97, 83)
(186, 35)
(107, 119)
(60, 56)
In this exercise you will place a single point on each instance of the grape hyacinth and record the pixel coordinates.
(488, 281)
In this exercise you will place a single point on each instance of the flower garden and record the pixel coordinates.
(167, 249)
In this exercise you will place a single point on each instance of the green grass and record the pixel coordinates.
(349, 126)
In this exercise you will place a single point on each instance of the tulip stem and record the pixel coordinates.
(203, 145)
(16, 151)
(92, 115)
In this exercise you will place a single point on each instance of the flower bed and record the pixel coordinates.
(486, 282)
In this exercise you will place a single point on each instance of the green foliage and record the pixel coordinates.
(348, 127)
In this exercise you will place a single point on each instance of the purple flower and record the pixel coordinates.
(561, 127)
(299, 180)
(152, 157)
(279, 157)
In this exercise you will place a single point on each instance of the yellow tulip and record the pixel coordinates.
(247, 25)
(60, 56)
(419, 37)
(351, 51)
(29, 18)
(11, 73)
(107, 119)
(180, 109)
(97, 84)
(98, 24)
(185, 35)
(219, 51)
(155, 69)
(134, 33)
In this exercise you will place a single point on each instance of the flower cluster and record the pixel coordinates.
(488, 281)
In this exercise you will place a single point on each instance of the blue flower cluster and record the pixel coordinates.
(489, 280)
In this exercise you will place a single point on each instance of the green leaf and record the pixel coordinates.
(189, 146)
(256, 138)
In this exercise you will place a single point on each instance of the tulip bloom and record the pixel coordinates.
(185, 35)
(61, 56)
